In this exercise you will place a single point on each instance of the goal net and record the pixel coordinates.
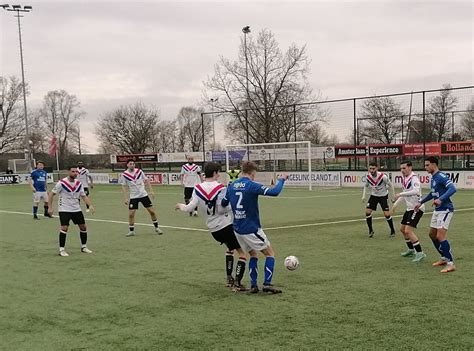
(274, 159)
(21, 165)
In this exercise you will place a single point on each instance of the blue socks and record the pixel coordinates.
(35, 210)
(253, 270)
(446, 250)
(269, 266)
(437, 246)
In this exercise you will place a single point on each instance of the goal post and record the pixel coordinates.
(281, 157)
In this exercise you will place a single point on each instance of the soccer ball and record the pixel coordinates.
(292, 262)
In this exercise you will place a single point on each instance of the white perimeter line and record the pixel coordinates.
(346, 221)
(117, 222)
(271, 228)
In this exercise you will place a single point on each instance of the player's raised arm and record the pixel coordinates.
(275, 191)
(190, 206)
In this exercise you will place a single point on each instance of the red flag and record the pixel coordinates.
(53, 147)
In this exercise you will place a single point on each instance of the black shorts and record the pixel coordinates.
(374, 200)
(86, 190)
(76, 217)
(227, 236)
(188, 193)
(133, 203)
(411, 218)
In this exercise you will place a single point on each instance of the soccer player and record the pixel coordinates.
(442, 188)
(38, 184)
(190, 176)
(379, 186)
(233, 174)
(70, 190)
(410, 195)
(85, 178)
(133, 182)
(243, 197)
(208, 195)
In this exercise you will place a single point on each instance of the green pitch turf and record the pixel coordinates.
(167, 292)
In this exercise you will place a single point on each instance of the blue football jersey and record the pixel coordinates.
(39, 177)
(441, 188)
(242, 195)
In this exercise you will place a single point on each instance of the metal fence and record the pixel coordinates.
(417, 117)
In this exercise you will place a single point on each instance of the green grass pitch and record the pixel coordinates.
(167, 292)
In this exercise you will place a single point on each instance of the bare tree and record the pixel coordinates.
(38, 135)
(166, 138)
(190, 135)
(12, 124)
(467, 122)
(380, 120)
(60, 113)
(128, 129)
(438, 114)
(274, 79)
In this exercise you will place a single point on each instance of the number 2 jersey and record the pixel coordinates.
(378, 185)
(69, 193)
(208, 196)
(243, 195)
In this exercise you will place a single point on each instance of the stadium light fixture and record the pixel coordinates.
(246, 29)
(18, 9)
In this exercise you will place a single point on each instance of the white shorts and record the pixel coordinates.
(441, 219)
(40, 195)
(257, 241)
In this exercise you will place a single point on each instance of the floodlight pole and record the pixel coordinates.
(213, 102)
(246, 30)
(18, 9)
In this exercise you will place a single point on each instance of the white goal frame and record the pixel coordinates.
(290, 143)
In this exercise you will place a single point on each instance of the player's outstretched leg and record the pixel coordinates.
(437, 245)
(83, 235)
(445, 248)
(410, 249)
(389, 219)
(154, 219)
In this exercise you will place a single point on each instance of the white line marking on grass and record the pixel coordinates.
(312, 197)
(118, 222)
(347, 221)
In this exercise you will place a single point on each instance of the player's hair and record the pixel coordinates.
(210, 168)
(432, 159)
(406, 162)
(130, 160)
(373, 164)
(71, 166)
(40, 162)
(248, 167)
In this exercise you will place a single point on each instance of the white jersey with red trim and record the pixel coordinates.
(135, 180)
(83, 176)
(378, 185)
(411, 192)
(190, 173)
(208, 196)
(69, 194)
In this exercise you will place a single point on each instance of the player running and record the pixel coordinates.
(379, 186)
(208, 195)
(133, 182)
(442, 188)
(38, 184)
(70, 190)
(243, 195)
(190, 176)
(410, 195)
(85, 178)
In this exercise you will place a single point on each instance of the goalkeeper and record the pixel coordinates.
(233, 174)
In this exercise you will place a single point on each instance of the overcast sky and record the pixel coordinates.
(109, 53)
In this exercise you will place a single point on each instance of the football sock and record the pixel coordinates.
(253, 270)
(417, 246)
(83, 238)
(131, 228)
(229, 263)
(46, 210)
(390, 223)
(409, 244)
(239, 270)
(155, 223)
(62, 239)
(437, 246)
(446, 249)
(35, 210)
(186, 201)
(269, 266)
(368, 219)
